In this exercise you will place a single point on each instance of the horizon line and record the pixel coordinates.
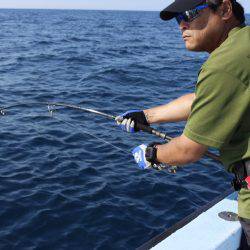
(9, 8)
(146, 10)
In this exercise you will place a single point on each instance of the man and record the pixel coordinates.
(218, 113)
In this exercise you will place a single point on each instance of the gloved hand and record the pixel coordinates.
(129, 120)
(145, 155)
(140, 157)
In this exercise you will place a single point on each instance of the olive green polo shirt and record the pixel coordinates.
(220, 114)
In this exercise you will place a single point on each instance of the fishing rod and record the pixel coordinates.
(142, 127)
(59, 104)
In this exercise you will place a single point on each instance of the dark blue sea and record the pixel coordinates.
(69, 181)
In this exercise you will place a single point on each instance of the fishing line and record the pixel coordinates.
(161, 166)
(86, 132)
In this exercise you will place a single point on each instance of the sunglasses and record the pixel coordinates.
(189, 15)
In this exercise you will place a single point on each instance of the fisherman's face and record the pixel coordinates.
(204, 32)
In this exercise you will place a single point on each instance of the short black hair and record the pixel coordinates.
(238, 10)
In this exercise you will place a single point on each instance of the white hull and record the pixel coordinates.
(206, 231)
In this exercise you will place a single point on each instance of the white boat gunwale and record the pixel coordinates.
(180, 224)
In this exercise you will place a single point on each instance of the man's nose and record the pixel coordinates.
(183, 26)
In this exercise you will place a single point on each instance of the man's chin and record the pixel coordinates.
(192, 47)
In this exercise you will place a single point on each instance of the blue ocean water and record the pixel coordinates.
(60, 186)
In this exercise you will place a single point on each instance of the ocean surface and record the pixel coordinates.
(69, 181)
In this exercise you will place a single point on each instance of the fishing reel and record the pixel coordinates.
(162, 166)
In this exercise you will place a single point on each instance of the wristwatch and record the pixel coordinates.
(151, 153)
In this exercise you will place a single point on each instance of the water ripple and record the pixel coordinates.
(61, 185)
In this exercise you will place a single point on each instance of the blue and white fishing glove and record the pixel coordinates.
(129, 120)
(145, 156)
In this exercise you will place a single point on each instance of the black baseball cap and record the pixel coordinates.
(179, 6)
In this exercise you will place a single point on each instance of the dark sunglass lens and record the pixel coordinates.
(185, 16)
(179, 18)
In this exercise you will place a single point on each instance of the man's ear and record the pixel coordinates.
(226, 10)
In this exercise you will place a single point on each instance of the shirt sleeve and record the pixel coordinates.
(220, 103)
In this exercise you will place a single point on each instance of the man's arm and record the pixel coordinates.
(180, 151)
(177, 110)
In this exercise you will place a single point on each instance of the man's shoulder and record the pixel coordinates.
(233, 56)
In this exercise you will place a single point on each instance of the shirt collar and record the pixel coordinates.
(234, 30)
